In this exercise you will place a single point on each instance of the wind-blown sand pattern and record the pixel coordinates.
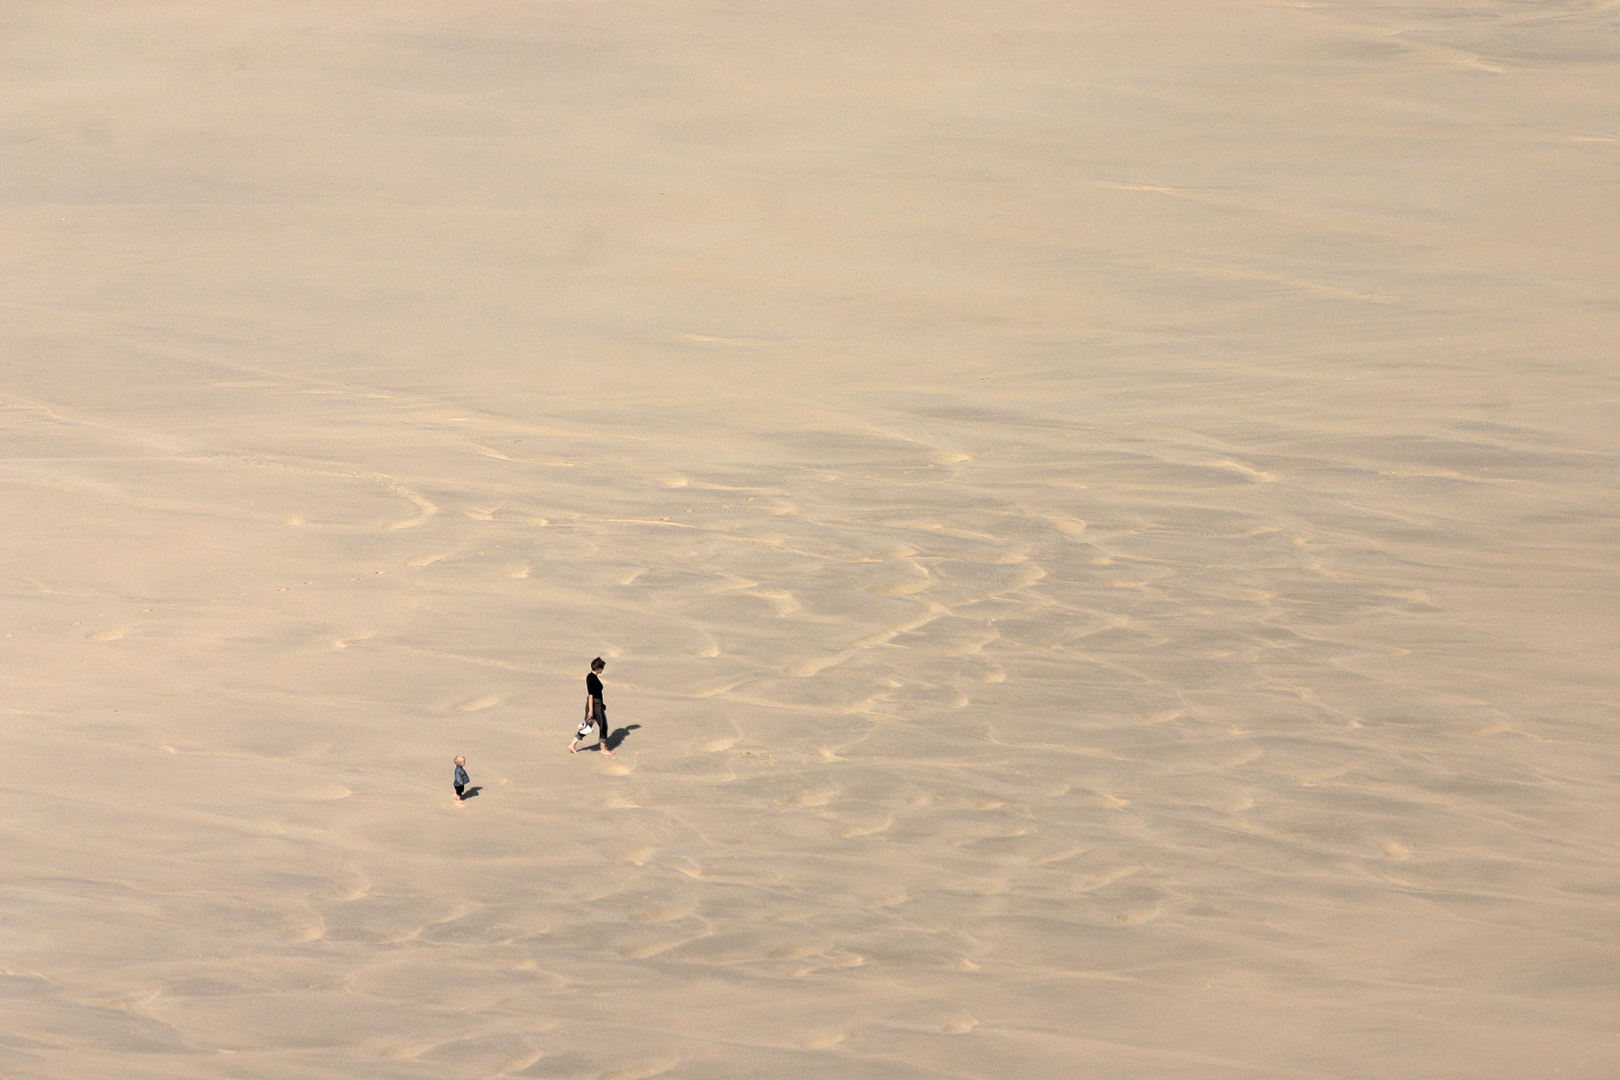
(1101, 519)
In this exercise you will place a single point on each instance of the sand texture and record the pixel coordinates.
(1101, 517)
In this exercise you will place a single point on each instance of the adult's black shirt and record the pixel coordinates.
(593, 686)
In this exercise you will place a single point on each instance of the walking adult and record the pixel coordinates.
(594, 709)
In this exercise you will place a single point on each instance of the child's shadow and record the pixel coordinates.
(619, 735)
(470, 793)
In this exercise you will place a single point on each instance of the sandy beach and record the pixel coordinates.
(1102, 520)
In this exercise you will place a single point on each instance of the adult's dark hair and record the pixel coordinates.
(598, 664)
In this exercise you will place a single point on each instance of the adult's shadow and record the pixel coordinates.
(619, 735)
(470, 793)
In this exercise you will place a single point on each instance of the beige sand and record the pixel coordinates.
(1101, 517)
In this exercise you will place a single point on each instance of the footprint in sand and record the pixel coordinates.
(642, 1070)
(424, 508)
(345, 886)
(1134, 918)
(1108, 877)
(637, 856)
(903, 588)
(664, 915)
(822, 1040)
(479, 703)
(960, 1027)
(1225, 465)
(112, 634)
(408, 1051)
(782, 602)
(715, 689)
(519, 1061)
(796, 951)
(1056, 856)
(135, 1000)
(644, 952)
(809, 798)
(1022, 580)
(971, 646)
(803, 669)
(849, 832)
(714, 746)
(302, 926)
(1311, 779)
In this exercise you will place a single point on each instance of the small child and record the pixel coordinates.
(461, 778)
